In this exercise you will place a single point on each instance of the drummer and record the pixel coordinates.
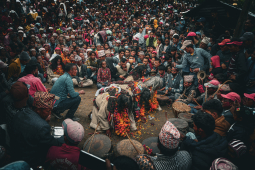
(189, 92)
(170, 157)
(212, 87)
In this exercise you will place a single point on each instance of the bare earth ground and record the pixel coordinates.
(149, 129)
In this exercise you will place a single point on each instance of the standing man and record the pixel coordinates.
(196, 57)
(62, 88)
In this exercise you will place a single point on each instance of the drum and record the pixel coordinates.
(180, 124)
(100, 146)
(152, 144)
(180, 107)
(124, 147)
(162, 100)
(187, 118)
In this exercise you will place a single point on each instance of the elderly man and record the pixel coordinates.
(204, 43)
(189, 92)
(196, 57)
(81, 78)
(62, 88)
(28, 129)
(65, 56)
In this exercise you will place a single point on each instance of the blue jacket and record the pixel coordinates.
(197, 60)
(62, 87)
(205, 151)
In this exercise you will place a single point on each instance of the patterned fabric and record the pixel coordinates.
(225, 88)
(91, 63)
(188, 78)
(144, 162)
(222, 163)
(173, 82)
(180, 161)
(103, 75)
(43, 100)
(169, 136)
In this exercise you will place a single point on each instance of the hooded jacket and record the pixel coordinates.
(205, 151)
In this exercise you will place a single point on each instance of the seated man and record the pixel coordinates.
(81, 78)
(62, 88)
(29, 133)
(69, 151)
(212, 87)
(34, 82)
(18, 66)
(208, 145)
(162, 74)
(92, 66)
(170, 158)
(122, 70)
(249, 100)
(227, 102)
(147, 65)
(190, 91)
(214, 108)
(174, 84)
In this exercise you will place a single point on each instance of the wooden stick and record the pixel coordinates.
(133, 144)
(193, 100)
(221, 86)
(92, 137)
(205, 94)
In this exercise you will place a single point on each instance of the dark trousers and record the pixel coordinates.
(69, 103)
(89, 72)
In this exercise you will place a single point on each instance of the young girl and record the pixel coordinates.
(103, 76)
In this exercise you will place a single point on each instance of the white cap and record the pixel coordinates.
(42, 49)
(206, 40)
(101, 53)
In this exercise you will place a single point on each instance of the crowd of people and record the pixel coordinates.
(71, 44)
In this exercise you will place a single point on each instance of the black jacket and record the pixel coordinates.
(83, 71)
(205, 151)
(240, 131)
(30, 137)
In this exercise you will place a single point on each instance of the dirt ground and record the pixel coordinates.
(149, 129)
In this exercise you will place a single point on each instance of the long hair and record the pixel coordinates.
(123, 101)
(54, 63)
(145, 97)
(137, 72)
